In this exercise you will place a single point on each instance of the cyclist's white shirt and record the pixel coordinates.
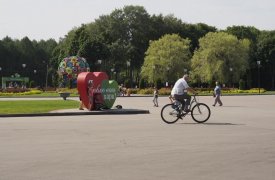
(179, 87)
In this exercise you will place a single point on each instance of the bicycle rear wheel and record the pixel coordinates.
(200, 113)
(169, 114)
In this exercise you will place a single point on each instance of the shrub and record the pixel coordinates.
(241, 84)
(31, 92)
(146, 91)
(72, 91)
(165, 91)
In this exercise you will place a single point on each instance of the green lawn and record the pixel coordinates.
(35, 106)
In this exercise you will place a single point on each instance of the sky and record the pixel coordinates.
(45, 19)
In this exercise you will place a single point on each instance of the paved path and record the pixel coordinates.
(238, 142)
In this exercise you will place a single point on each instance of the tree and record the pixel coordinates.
(250, 33)
(266, 54)
(166, 59)
(218, 54)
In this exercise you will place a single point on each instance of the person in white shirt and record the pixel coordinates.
(179, 92)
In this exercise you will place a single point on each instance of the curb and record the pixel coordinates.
(103, 112)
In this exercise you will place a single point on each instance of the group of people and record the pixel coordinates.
(179, 93)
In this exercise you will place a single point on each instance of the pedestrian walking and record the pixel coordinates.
(217, 94)
(156, 94)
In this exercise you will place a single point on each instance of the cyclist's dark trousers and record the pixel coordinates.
(182, 98)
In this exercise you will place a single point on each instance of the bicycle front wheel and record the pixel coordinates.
(169, 114)
(200, 113)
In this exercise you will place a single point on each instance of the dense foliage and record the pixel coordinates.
(127, 42)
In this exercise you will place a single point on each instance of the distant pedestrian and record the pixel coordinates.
(156, 94)
(217, 95)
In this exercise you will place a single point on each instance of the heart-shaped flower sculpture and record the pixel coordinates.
(89, 88)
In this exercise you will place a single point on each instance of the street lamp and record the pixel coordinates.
(115, 75)
(23, 66)
(112, 71)
(185, 71)
(167, 83)
(99, 62)
(259, 83)
(35, 71)
(1, 75)
(231, 72)
(154, 67)
(128, 63)
(46, 83)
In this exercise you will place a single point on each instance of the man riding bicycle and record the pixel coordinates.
(179, 92)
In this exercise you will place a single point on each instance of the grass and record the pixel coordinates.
(35, 106)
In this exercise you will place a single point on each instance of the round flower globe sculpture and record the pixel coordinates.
(70, 67)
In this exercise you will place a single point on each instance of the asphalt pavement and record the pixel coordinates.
(237, 142)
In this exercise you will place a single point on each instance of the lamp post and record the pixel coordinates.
(115, 75)
(167, 83)
(23, 66)
(259, 83)
(99, 62)
(1, 75)
(35, 71)
(231, 73)
(185, 71)
(154, 67)
(47, 72)
(128, 64)
(112, 72)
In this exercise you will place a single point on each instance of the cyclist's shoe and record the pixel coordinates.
(179, 116)
(176, 108)
(187, 110)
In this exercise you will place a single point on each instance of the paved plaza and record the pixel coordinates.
(236, 143)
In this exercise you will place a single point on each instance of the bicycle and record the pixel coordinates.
(171, 113)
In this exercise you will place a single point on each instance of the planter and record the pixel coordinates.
(64, 95)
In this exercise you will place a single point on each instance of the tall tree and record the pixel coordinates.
(166, 59)
(250, 33)
(220, 57)
(266, 54)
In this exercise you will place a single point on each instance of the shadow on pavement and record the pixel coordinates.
(214, 124)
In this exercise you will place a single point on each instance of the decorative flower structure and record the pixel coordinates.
(70, 67)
